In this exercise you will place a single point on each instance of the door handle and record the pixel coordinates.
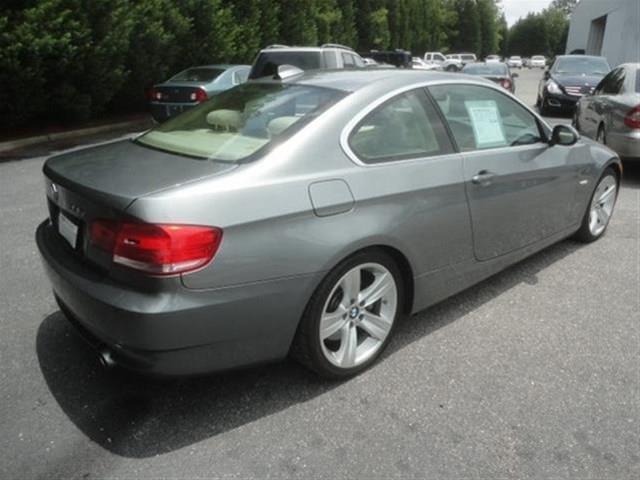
(483, 177)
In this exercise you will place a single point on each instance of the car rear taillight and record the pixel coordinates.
(154, 95)
(156, 249)
(632, 119)
(198, 96)
(506, 84)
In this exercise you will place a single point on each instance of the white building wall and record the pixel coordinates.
(621, 41)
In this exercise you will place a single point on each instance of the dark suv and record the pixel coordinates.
(327, 56)
(398, 58)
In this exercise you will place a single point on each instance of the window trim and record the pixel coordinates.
(347, 129)
(544, 132)
(425, 102)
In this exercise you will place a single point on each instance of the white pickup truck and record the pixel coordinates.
(448, 64)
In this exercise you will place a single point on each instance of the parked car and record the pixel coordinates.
(569, 78)
(191, 87)
(493, 59)
(448, 64)
(306, 216)
(419, 64)
(496, 72)
(463, 58)
(514, 61)
(398, 58)
(538, 61)
(327, 56)
(612, 114)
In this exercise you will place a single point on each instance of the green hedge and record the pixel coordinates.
(64, 60)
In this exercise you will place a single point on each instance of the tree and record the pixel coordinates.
(488, 13)
(566, 6)
(468, 27)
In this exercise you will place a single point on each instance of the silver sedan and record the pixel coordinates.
(306, 215)
(612, 114)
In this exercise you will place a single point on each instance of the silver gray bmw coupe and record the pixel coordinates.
(305, 215)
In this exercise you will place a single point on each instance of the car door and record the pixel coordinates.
(412, 165)
(519, 189)
(599, 106)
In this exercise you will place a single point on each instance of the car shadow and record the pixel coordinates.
(631, 175)
(134, 416)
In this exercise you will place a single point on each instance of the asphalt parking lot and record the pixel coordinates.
(534, 373)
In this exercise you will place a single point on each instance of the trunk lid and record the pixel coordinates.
(120, 172)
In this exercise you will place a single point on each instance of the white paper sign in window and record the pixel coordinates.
(486, 123)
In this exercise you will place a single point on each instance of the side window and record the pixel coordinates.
(347, 60)
(330, 59)
(481, 117)
(439, 57)
(358, 61)
(241, 75)
(407, 126)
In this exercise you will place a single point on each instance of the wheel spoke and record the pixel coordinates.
(603, 218)
(351, 285)
(346, 355)
(606, 195)
(375, 325)
(380, 286)
(332, 322)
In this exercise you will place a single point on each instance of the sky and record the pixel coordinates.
(514, 9)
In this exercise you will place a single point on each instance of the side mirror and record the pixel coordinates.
(564, 135)
(547, 75)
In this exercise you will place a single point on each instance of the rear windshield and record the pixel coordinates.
(536, 57)
(491, 69)
(235, 124)
(267, 63)
(199, 74)
(586, 65)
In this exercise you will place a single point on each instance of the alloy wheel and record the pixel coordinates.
(602, 205)
(358, 315)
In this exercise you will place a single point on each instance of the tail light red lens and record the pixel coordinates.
(199, 95)
(632, 120)
(506, 84)
(154, 95)
(157, 249)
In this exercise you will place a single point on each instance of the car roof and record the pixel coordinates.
(352, 80)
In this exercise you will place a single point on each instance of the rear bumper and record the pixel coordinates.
(163, 111)
(625, 144)
(175, 330)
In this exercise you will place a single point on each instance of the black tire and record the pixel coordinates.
(451, 68)
(306, 347)
(584, 234)
(543, 109)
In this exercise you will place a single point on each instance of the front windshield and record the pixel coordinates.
(489, 69)
(582, 65)
(199, 74)
(235, 124)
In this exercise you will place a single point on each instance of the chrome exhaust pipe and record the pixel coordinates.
(106, 358)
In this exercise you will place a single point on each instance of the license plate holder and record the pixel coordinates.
(68, 230)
